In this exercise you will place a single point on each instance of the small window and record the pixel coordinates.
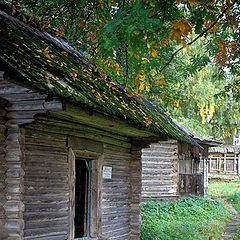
(82, 198)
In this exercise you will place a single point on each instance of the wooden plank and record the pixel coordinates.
(84, 144)
(73, 125)
(101, 121)
(77, 133)
(220, 165)
(225, 163)
(71, 184)
(238, 165)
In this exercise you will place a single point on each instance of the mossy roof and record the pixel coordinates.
(54, 67)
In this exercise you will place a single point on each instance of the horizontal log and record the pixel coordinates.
(45, 224)
(107, 222)
(50, 237)
(26, 106)
(45, 197)
(38, 215)
(46, 177)
(23, 96)
(117, 233)
(78, 133)
(71, 125)
(35, 157)
(24, 114)
(56, 206)
(10, 88)
(46, 231)
(47, 164)
(53, 170)
(112, 148)
(33, 133)
(45, 185)
(101, 121)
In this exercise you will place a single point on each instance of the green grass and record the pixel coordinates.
(187, 218)
(223, 189)
(229, 190)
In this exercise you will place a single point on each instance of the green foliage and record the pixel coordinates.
(187, 218)
(234, 199)
(196, 103)
(134, 41)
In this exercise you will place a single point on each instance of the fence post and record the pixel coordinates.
(225, 163)
(238, 168)
(205, 177)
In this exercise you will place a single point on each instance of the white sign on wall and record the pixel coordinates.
(107, 172)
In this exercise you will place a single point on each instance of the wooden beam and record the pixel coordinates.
(84, 144)
(234, 162)
(99, 120)
(238, 169)
(225, 163)
(71, 184)
(220, 164)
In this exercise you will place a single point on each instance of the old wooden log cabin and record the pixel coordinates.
(71, 142)
(171, 169)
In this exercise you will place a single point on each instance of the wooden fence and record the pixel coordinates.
(228, 162)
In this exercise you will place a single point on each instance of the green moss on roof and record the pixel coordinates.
(55, 71)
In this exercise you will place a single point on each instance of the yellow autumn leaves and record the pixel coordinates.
(206, 111)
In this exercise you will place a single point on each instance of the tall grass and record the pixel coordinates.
(187, 218)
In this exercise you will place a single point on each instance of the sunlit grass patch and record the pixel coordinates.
(230, 191)
(223, 189)
(187, 218)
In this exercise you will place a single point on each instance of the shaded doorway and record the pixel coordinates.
(82, 197)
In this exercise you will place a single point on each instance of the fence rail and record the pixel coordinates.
(224, 163)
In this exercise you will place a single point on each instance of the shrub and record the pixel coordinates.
(187, 218)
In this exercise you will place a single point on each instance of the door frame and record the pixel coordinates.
(95, 190)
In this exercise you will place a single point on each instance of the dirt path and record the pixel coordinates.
(231, 227)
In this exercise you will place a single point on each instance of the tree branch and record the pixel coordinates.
(200, 35)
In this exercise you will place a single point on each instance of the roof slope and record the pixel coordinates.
(51, 65)
(225, 149)
(206, 141)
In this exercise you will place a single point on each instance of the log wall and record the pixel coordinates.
(22, 106)
(191, 179)
(116, 194)
(36, 183)
(160, 171)
(3, 113)
(46, 193)
(119, 197)
(171, 169)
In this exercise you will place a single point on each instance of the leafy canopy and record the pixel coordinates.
(135, 41)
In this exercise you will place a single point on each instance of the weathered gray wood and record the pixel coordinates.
(77, 133)
(135, 192)
(72, 125)
(71, 184)
(238, 165)
(228, 161)
(42, 178)
(83, 144)
(160, 171)
(97, 120)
